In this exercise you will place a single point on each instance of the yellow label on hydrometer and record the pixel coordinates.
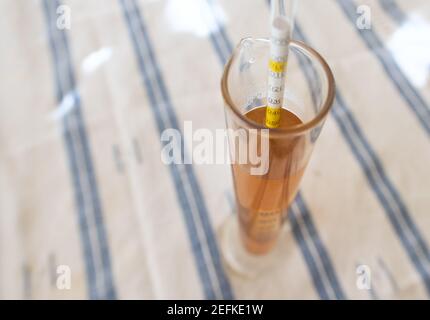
(276, 87)
(277, 66)
(280, 36)
(273, 117)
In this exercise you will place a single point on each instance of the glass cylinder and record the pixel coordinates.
(265, 188)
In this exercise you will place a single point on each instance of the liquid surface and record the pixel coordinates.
(288, 119)
(263, 200)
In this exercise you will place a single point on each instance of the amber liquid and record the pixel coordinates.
(263, 200)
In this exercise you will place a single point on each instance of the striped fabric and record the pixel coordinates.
(83, 185)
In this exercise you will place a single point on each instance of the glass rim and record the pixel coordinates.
(300, 128)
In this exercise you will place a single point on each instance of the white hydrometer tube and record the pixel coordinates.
(282, 24)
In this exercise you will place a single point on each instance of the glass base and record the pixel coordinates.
(242, 262)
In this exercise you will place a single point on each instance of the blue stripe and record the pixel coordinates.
(327, 264)
(63, 72)
(85, 238)
(322, 251)
(86, 243)
(411, 96)
(392, 203)
(310, 74)
(218, 38)
(217, 47)
(374, 169)
(393, 10)
(106, 273)
(154, 83)
(307, 255)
